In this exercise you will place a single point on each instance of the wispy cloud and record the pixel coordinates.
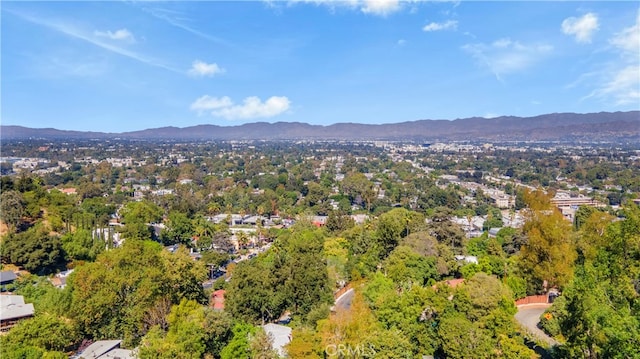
(251, 107)
(201, 69)
(504, 56)
(122, 35)
(619, 83)
(179, 20)
(628, 40)
(75, 32)
(64, 66)
(582, 28)
(439, 26)
(381, 8)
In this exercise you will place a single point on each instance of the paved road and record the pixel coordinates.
(344, 301)
(529, 317)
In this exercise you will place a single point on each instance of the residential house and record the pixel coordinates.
(493, 232)
(253, 220)
(60, 279)
(7, 277)
(12, 310)
(105, 349)
(319, 221)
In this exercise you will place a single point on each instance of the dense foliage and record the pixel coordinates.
(393, 232)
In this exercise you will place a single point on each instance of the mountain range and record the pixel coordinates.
(602, 126)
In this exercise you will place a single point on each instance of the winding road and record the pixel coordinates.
(344, 301)
(528, 316)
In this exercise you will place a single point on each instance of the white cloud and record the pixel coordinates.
(628, 40)
(623, 86)
(502, 43)
(491, 115)
(200, 68)
(371, 7)
(505, 56)
(619, 83)
(251, 107)
(207, 103)
(122, 35)
(380, 7)
(582, 28)
(438, 26)
(402, 42)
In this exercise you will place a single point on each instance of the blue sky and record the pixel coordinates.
(126, 65)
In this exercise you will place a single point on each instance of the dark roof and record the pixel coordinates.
(7, 277)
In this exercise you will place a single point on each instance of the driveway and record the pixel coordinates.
(344, 301)
(528, 316)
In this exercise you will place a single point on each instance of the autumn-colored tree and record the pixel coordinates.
(549, 253)
(359, 334)
(305, 343)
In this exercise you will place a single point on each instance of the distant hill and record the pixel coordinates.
(603, 126)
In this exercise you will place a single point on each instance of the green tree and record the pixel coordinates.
(144, 211)
(80, 245)
(35, 250)
(238, 347)
(302, 269)
(404, 266)
(193, 331)
(460, 338)
(413, 311)
(46, 298)
(481, 323)
(595, 321)
(338, 221)
(12, 205)
(443, 229)
(598, 311)
(358, 188)
(179, 229)
(252, 295)
(112, 297)
(392, 227)
(336, 252)
(422, 243)
(46, 332)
